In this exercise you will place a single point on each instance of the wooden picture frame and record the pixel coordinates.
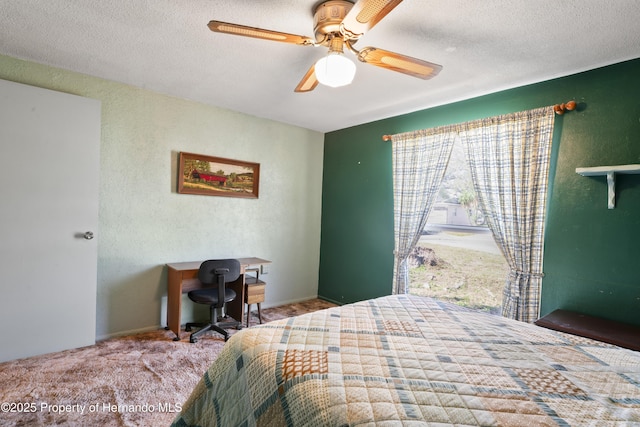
(217, 176)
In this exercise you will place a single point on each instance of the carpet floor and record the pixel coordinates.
(136, 380)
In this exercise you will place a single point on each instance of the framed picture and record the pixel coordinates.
(216, 176)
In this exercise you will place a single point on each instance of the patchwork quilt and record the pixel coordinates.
(412, 361)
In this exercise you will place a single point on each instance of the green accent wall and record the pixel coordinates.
(592, 254)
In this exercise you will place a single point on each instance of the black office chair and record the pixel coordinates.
(214, 274)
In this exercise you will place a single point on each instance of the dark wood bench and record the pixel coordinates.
(608, 331)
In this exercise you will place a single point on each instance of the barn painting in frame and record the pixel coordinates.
(217, 176)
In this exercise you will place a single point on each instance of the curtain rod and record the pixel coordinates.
(558, 108)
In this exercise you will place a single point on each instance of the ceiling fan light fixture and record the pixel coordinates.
(335, 70)
(338, 23)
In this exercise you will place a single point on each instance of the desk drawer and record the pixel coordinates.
(189, 274)
(255, 292)
(190, 285)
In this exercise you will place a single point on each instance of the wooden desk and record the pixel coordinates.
(183, 277)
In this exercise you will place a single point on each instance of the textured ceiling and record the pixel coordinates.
(165, 46)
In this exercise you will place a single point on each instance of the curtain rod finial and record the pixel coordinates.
(568, 106)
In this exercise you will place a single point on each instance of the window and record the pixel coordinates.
(456, 258)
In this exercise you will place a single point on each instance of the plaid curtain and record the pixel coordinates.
(509, 159)
(419, 161)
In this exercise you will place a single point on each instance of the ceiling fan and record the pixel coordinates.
(340, 23)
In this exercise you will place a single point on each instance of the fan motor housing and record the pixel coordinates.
(328, 16)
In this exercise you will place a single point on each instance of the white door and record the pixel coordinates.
(49, 165)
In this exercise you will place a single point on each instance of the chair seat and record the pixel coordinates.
(210, 295)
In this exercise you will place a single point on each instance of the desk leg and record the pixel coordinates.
(174, 301)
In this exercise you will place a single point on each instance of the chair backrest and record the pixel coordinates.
(210, 270)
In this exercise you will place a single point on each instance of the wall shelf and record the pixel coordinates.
(610, 172)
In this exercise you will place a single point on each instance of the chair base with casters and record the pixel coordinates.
(217, 324)
(215, 272)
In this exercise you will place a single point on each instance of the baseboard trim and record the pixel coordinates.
(156, 327)
(330, 300)
(128, 332)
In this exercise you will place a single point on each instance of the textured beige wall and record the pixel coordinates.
(144, 223)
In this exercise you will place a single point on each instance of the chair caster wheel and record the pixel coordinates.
(176, 338)
(193, 340)
(187, 329)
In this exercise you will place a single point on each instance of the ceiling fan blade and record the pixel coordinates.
(308, 82)
(364, 15)
(258, 33)
(400, 63)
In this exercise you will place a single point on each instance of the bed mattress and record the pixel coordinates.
(414, 361)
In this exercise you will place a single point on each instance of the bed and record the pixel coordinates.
(414, 361)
